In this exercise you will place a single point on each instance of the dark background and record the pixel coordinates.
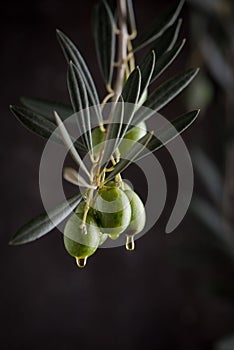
(160, 296)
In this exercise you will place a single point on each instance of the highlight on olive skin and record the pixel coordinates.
(103, 207)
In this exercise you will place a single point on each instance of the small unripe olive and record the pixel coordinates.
(131, 137)
(81, 241)
(113, 210)
(138, 217)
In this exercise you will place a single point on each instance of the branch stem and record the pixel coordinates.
(122, 47)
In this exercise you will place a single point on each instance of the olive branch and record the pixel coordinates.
(128, 87)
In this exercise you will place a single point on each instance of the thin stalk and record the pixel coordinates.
(122, 47)
(121, 58)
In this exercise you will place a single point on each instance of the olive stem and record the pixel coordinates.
(107, 98)
(122, 47)
(123, 39)
(131, 58)
(86, 210)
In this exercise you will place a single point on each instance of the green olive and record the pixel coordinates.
(138, 218)
(98, 137)
(131, 137)
(125, 186)
(81, 242)
(112, 210)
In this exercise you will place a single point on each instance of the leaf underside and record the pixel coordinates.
(80, 104)
(104, 36)
(72, 54)
(164, 94)
(46, 107)
(41, 225)
(149, 143)
(158, 27)
(41, 126)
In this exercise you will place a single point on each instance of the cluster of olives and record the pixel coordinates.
(116, 209)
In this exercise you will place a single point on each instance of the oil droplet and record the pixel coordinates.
(81, 262)
(130, 244)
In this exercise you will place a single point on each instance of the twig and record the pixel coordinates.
(122, 47)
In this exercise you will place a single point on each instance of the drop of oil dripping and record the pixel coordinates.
(81, 262)
(130, 244)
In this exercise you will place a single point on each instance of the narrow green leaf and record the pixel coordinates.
(47, 107)
(170, 131)
(41, 126)
(112, 5)
(79, 99)
(104, 36)
(130, 95)
(158, 27)
(42, 224)
(72, 54)
(69, 144)
(147, 68)
(165, 42)
(114, 132)
(131, 17)
(132, 154)
(34, 121)
(166, 59)
(164, 94)
(170, 89)
(131, 89)
(149, 143)
(72, 176)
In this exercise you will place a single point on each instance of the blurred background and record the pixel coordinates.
(174, 291)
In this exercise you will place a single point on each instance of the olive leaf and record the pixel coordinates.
(72, 176)
(79, 99)
(130, 95)
(72, 54)
(47, 107)
(170, 89)
(146, 68)
(170, 131)
(104, 36)
(164, 94)
(42, 224)
(166, 59)
(112, 5)
(131, 155)
(131, 88)
(41, 126)
(114, 132)
(69, 144)
(158, 27)
(166, 41)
